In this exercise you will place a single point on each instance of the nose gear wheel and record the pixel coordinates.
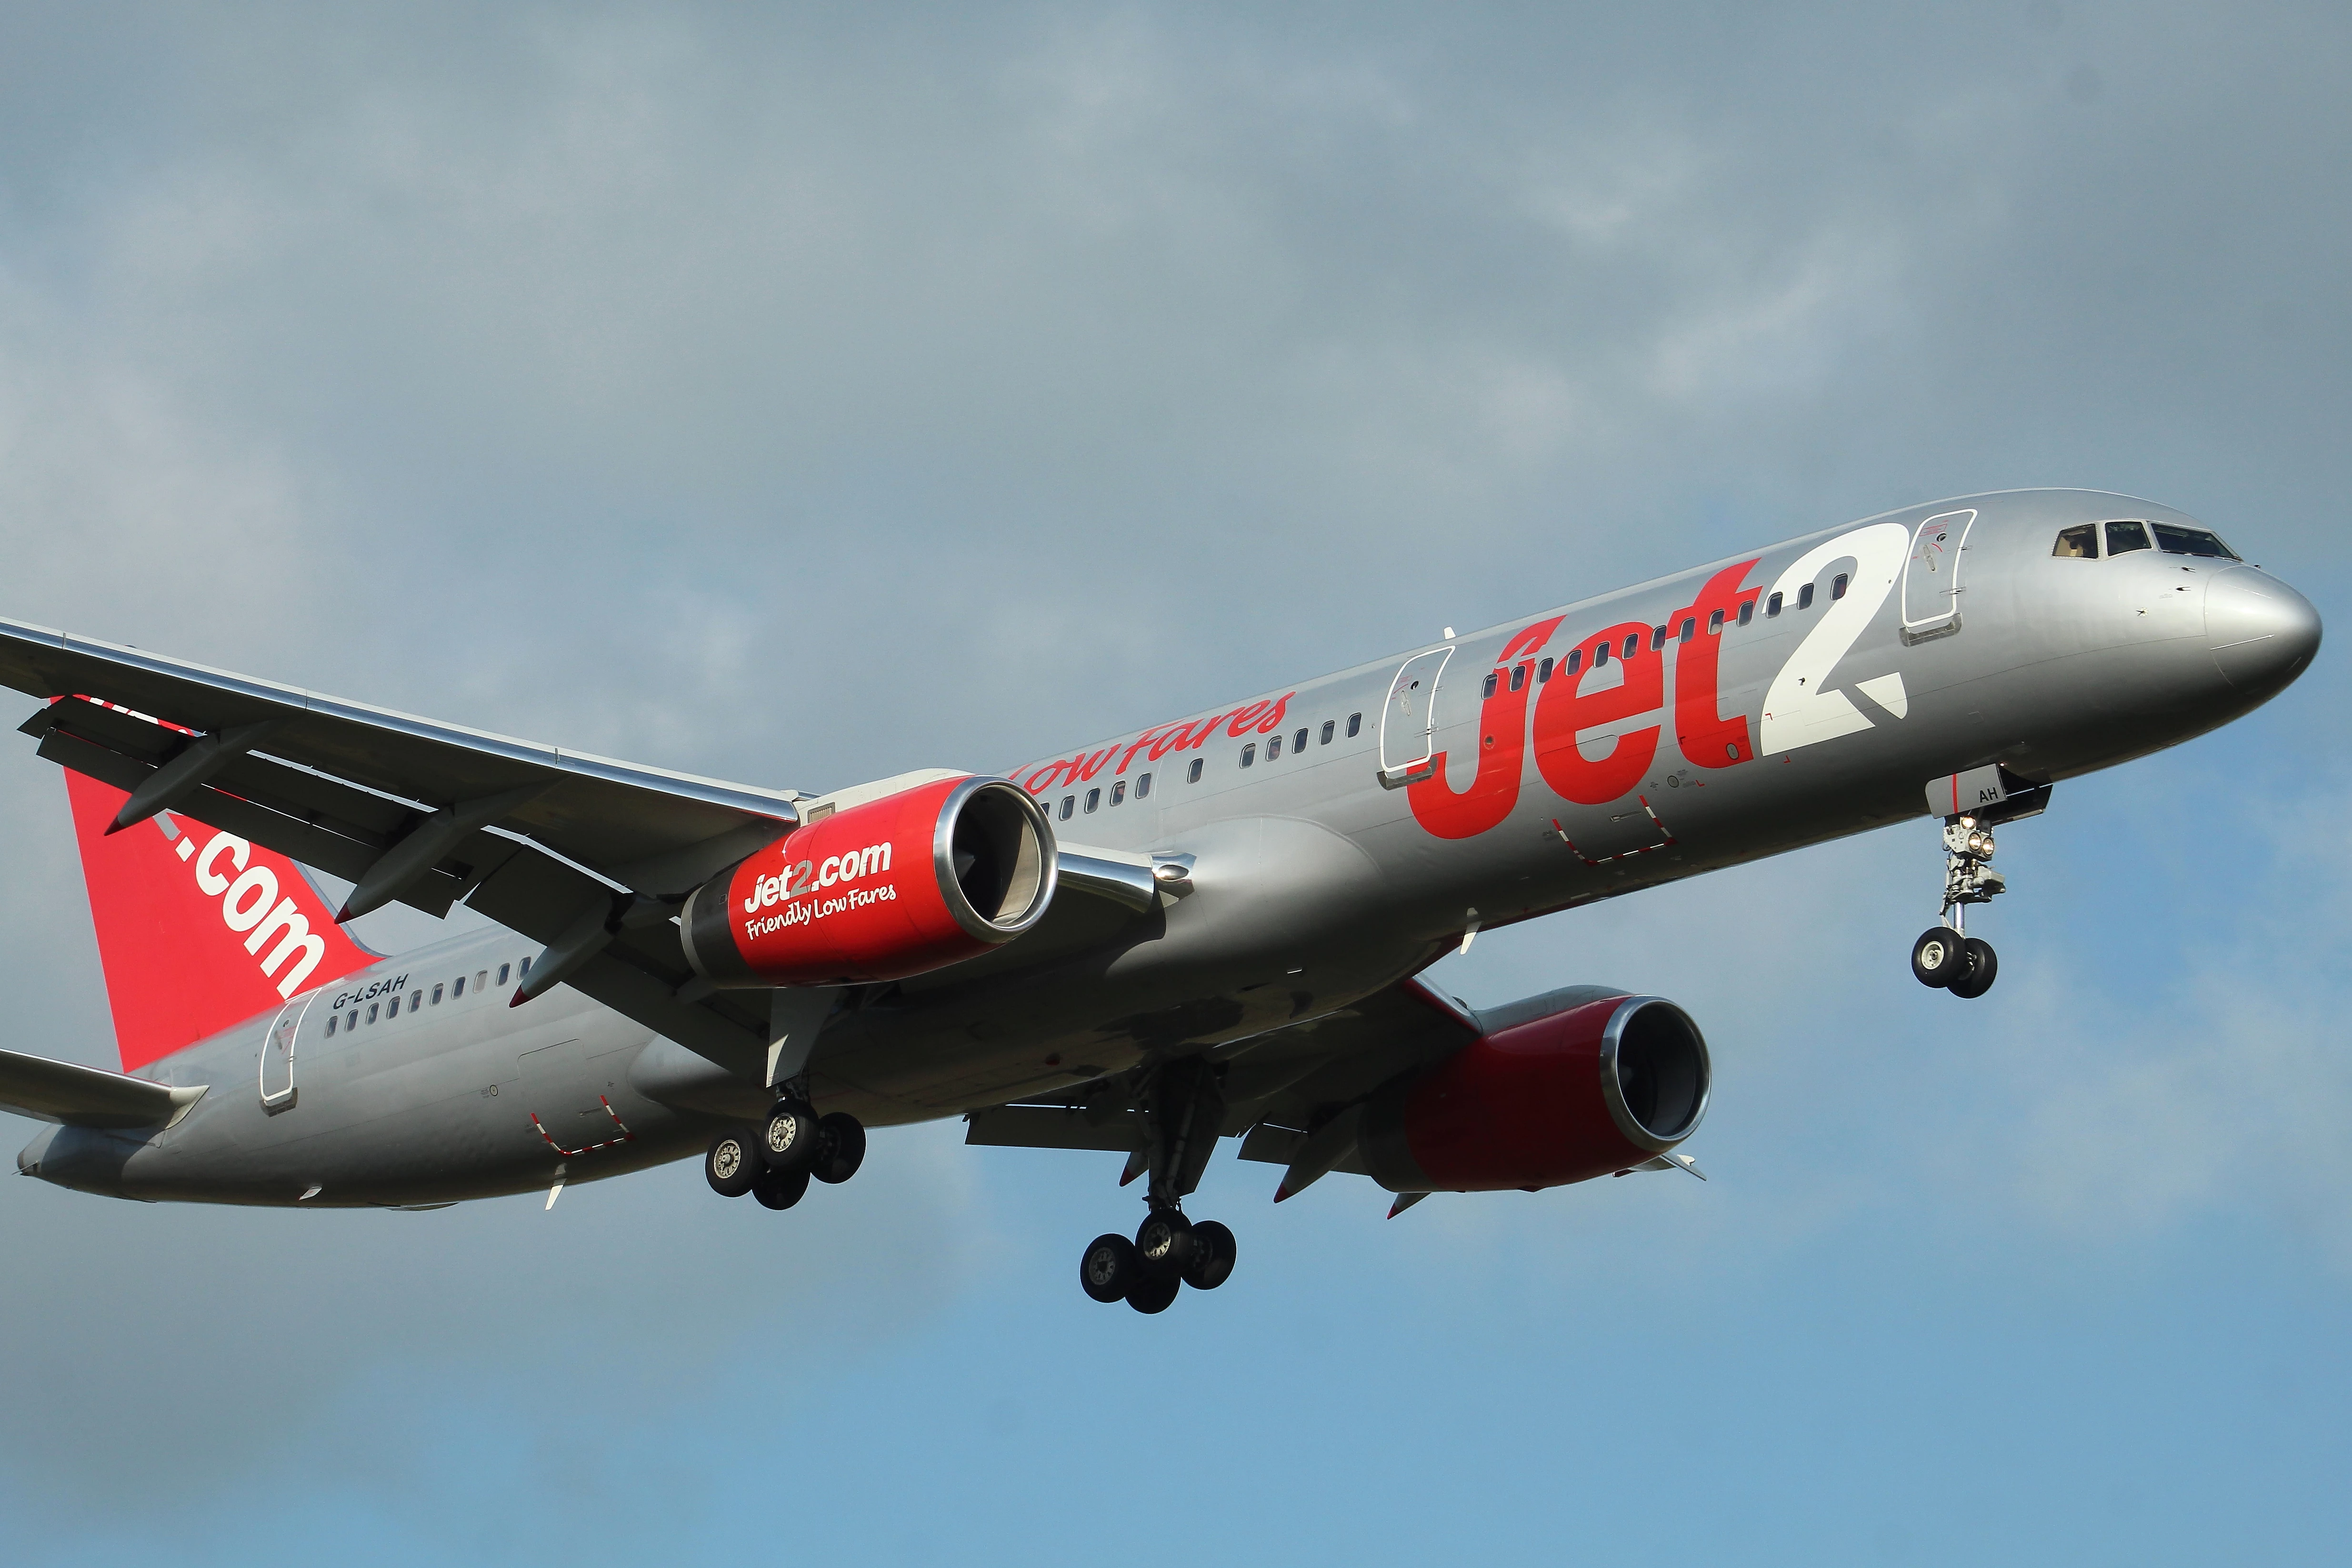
(1945, 957)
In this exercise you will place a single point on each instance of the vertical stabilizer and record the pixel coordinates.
(197, 929)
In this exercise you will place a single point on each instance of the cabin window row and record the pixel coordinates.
(1837, 585)
(1299, 738)
(1542, 670)
(419, 999)
(1299, 741)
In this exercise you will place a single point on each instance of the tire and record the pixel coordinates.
(1106, 1268)
(788, 1138)
(1154, 1295)
(776, 1189)
(1164, 1245)
(1938, 957)
(731, 1164)
(1213, 1252)
(840, 1147)
(1983, 968)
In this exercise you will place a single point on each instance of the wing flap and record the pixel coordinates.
(1053, 1127)
(51, 1090)
(327, 844)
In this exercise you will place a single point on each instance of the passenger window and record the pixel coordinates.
(1837, 586)
(1575, 660)
(503, 969)
(525, 970)
(1747, 612)
(351, 1022)
(372, 1011)
(1632, 645)
(1771, 607)
(1249, 755)
(1118, 792)
(1069, 806)
(1094, 799)
(1543, 672)
(1274, 748)
(1599, 654)
(457, 987)
(1714, 624)
(1519, 676)
(1143, 785)
(2078, 543)
(2122, 537)
(1328, 726)
(2176, 541)
(1805, 597)
(415, 1000)
(436, 993)
(1355, 723)
(332, 1019)
(1657, 638)
(1193, 776)
(1299, 741)
(482, 981)
(1488, 689)
(1690, 626)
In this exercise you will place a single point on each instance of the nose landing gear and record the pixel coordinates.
(1946, 955)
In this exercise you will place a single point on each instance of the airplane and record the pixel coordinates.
(1212, 926)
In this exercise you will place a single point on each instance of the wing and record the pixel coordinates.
(585, 854)
(78, 1096)
(1279, 1086)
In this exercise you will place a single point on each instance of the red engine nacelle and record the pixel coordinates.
(898, 886)
(1597, 1087)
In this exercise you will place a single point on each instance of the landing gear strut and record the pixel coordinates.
(1946, 955)
(1183, 1107)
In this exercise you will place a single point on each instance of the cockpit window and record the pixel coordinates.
(2173, 541)
(2080, 543)
(2122, 537)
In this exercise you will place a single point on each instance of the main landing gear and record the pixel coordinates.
(1184, 1109)
(1169, 1251)
(1946, 955)
(775, 1161)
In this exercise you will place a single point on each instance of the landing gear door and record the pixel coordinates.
(277, 1091)
(1931, 577)
(1408, 719)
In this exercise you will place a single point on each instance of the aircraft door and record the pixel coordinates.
(277, 1085)
(1408, 719)
(1931, 577)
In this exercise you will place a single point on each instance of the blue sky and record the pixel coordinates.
(804, 397)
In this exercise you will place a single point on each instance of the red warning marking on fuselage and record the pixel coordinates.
(626, 1136)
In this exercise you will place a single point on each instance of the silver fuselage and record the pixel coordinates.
(1314, 881)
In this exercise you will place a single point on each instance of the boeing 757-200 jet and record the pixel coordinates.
(1209, 927)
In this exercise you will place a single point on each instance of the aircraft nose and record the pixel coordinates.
(2262, 632)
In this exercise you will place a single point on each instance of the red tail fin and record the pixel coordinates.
(196, 928)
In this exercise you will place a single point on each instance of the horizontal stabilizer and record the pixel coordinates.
(80, 1096)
